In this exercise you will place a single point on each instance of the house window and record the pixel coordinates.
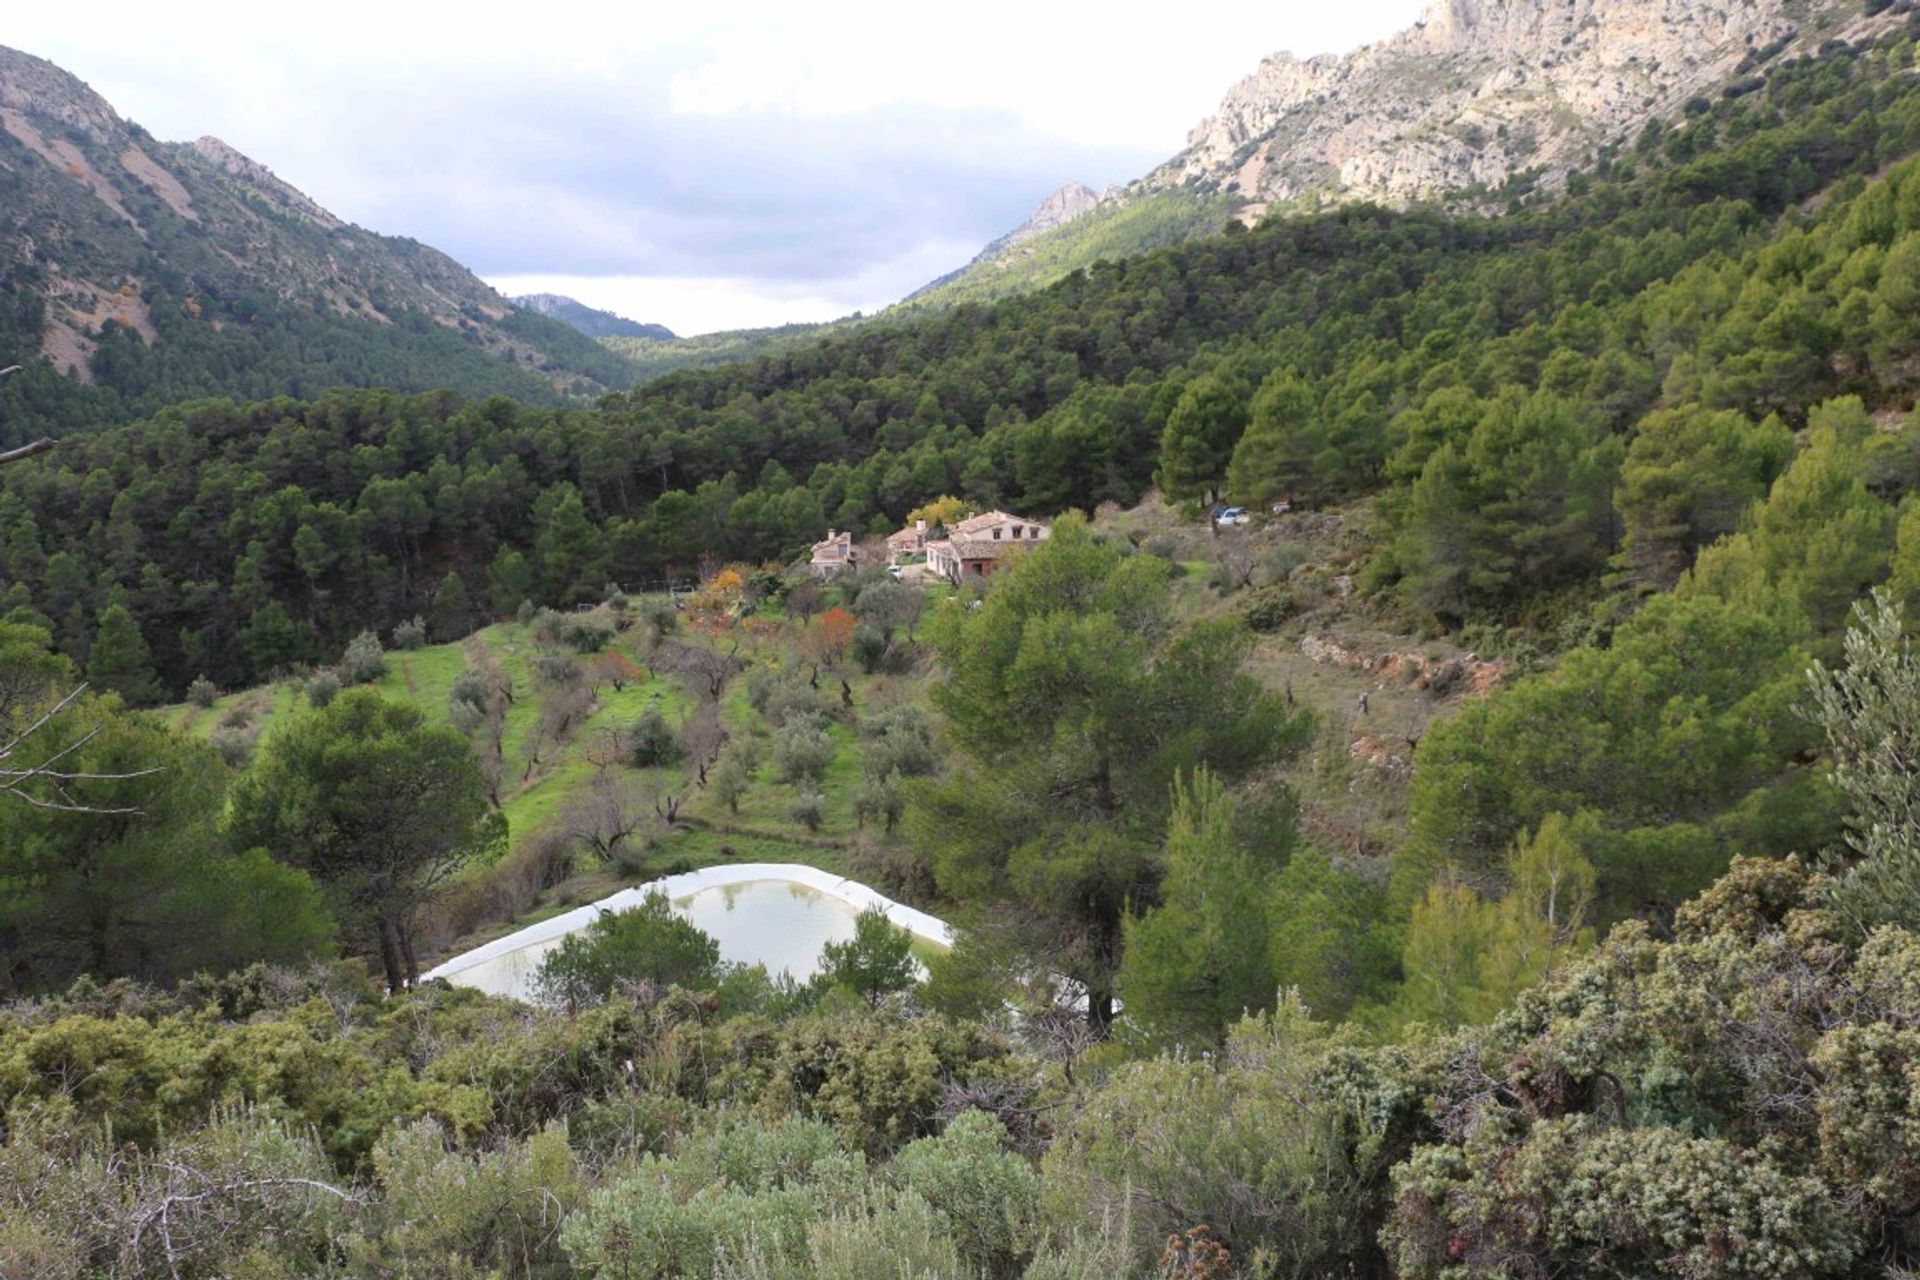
(996, 535)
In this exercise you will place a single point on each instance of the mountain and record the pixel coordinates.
(1068, 204)
(656, 357)
(1474, 96)
(139, 272)
(591, 321)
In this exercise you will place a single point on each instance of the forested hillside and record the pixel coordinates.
(140, 273)
(1747, 265)
(1629, 481)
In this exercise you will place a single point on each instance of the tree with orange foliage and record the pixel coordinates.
(723, 593)
(824, 640)
(615, 668)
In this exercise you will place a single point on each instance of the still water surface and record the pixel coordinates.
(781, 924)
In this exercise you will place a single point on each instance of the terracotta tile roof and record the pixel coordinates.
(987, 548)
(986, 520)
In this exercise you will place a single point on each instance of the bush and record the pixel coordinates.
(988, 1195)
(410, 634)
(743, 1191)
(556, 669)
(1278, 564)
(732, 773)
(234, 746)
(900, 741)
(880, 800)
(870, 648)
(322, 689)
(658, 615)
(809, 809)
(526, 613)
(874, 963)
(1650, 1201)
(652, 742)
(648, 942)
(469, 689)
(364, 661)
(237, 716)
(580, 632)
(802, 752)
(201, 692)
(783, 694)
(1270, 609)
(477, 1212)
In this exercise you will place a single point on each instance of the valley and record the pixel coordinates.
(1384, 651)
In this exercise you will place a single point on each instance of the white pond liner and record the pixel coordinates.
(506, 966)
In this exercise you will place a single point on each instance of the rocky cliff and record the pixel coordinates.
(1478, 91)
(1475, 93)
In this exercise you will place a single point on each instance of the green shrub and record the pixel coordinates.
(647, 942)
(322, 689)
(988, 1195)
(1270, 608)
(364, 661)
(201, 693)
(803, 750)
(653, 742)
(809, 809)
(410, 634)
(874, 963)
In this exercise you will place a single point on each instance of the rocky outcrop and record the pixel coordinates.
(262, 181)
(1072, 201)
(1478, 91)
(1472, 95)
(1067, 205)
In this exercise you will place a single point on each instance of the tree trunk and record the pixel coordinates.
(1100, 1013)
(405, 931)
(390, 957)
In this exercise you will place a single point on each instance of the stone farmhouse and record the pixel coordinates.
(977, 546)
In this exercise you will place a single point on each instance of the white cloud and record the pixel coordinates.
(712, 165)
(691, 305)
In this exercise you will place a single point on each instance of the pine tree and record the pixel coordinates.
(568, 551)
(1201, 431)
(452, 609)
(120, 659)
(1198, 961)
(1274, 459)
(509, 580)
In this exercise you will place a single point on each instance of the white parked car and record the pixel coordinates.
(1233, 516)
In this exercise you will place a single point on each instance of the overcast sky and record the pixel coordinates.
(700, 165)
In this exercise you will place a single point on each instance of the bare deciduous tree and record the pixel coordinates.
(48, 783)
(701, 737)
(613, 816)
(561, 714)
(25, 451)
(703, 663)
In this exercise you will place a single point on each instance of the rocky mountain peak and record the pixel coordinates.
(262, 180)
(1062, 207)
(1477, 91)
(34, 87)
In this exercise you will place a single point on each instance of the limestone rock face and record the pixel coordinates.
(1477, 91)
(262, 181)
(1473, 94)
